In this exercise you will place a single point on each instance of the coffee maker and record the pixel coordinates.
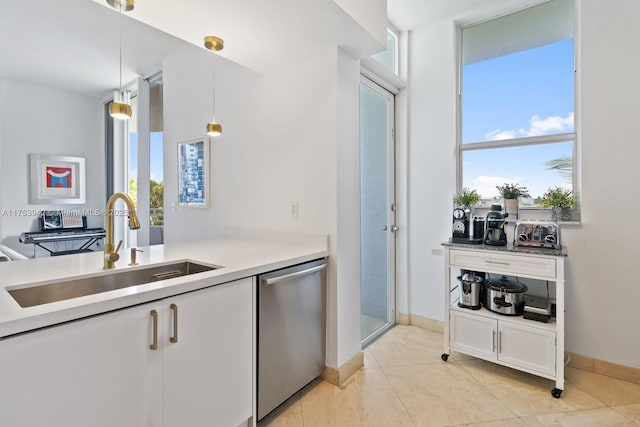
(460, 226)
(495, 233)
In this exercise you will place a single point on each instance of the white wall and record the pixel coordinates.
(289, 136)
(602, 294)
(40, 120)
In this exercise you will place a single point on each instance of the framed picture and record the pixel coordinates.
(57, 179)
(193, 173)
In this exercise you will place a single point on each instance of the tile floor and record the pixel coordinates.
(405, 383)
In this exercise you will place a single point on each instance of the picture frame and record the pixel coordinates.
(57, 179)
(193, 173)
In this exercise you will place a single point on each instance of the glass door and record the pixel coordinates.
(377, 210)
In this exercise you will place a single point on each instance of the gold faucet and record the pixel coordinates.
(111, 255)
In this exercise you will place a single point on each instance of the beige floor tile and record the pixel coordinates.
(369, 360)
(444, 394)
(289, 414)
(630, 411)
(512, 422)
(366, 399)
(601, 417)
(406, 345)
(611, 391)
(527, 394)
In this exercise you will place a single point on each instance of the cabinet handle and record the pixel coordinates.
(497, 262)
(154, 343)
(500, 342)
(174, 309)
(493, 340)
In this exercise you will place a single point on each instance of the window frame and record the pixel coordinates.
(573, 137)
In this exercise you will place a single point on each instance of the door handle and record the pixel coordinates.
(384, 228)
(174, 309)
(154, 342)
(394, 228)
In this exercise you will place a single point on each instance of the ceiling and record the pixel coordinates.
(73, 44)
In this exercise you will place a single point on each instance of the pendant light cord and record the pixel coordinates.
(214, 93)
(120, 44)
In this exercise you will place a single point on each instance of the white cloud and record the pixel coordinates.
(537, 127)
(500, 134)
(486, 185)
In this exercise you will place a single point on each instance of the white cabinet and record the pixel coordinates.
(102, 371)
(208, 371)
(514, 343)
(527, 345)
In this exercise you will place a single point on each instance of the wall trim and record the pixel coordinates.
(603, 367)
(338, 376)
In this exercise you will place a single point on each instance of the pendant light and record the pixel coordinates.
(214, 43)
(120, 109)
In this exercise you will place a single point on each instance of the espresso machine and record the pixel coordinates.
(494, 233)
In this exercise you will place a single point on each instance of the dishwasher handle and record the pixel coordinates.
(276, 279)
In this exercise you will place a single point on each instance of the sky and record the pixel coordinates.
(156, 155)
(529, 93)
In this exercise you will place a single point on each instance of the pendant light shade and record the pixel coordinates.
(120, 110)
(214, 43)
(214, 129)
(126, 5)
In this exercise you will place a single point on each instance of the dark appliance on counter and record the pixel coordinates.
(537, 308)
(470, 286)
(477, 230)
(495, 221)
(460, 226)
(505, 295)
(537, 234)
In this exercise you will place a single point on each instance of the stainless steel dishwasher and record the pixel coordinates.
(291, 332)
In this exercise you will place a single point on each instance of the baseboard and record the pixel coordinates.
(603, 367)
(338, 376)
(421, 322)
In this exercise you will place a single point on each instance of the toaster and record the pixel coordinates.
(537, 234)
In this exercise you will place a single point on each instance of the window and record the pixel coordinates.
(517, 103)
(389, 57)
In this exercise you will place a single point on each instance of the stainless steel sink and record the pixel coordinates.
(66, 289)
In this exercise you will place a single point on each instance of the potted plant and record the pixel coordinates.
(467, 198)
(511, 193)
(561, 201)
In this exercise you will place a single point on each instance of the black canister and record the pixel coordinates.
(477, 228)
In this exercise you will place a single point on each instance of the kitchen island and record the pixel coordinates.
(172, 352)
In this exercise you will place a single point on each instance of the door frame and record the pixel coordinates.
(391, 210)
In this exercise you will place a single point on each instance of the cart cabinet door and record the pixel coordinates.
(473, 334)
(527, 347)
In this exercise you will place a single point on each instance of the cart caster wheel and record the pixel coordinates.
(556, 392)
(444, 356)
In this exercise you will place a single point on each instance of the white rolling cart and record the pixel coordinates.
(527, 345)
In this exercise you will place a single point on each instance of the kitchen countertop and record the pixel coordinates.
(509, 247)
(239, 257)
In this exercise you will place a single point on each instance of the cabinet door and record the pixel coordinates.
(530, 348)
(92, 372)
(209, 370)
(473, 334)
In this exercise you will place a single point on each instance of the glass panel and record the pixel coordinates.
(388, 57)
(518, 74)
(375, 202)
(132, 169)
(156, 156)
(529, 166)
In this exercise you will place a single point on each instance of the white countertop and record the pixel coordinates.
(238, 257)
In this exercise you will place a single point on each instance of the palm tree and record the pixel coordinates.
(562, 165)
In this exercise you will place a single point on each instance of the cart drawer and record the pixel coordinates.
(504, 263)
